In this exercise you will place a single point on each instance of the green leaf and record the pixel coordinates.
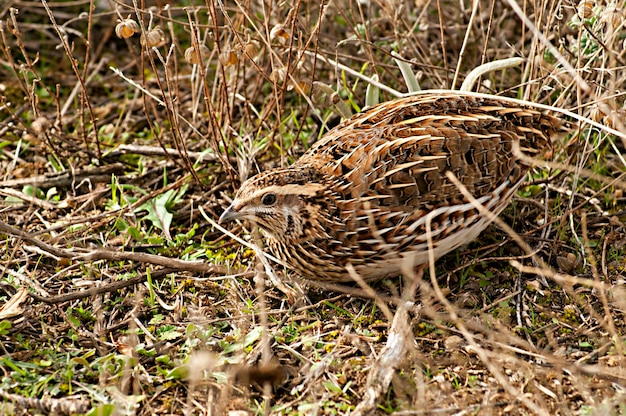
(170, 335)
(178, 373)
(372, 93)
(250, 338)
(104, 410)
(407, 73)
(332, 387)
(4, 327)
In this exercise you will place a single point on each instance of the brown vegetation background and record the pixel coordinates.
(125, 127)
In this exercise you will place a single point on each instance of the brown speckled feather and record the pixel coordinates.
(363, 194)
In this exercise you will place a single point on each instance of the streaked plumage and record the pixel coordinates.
(364, 193)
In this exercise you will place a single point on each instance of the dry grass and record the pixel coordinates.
(120, 296)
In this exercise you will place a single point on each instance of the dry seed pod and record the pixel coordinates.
(194, 57)
(568, 263)
(612, 16)
(228, 57)
(290, 85)
(597, 114)
(319, 93)
(154, 38)
(279, 33)
(252, 49)
(302, 88)
(126, 28)
(40, 124)
(616, 119)
(278, 75)
(585, 9)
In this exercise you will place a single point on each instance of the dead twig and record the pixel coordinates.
(68, 177)
(63, 406)
(104, 288)
(79, 254)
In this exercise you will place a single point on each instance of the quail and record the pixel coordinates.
(372, 190)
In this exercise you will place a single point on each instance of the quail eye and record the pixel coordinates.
(268, 199)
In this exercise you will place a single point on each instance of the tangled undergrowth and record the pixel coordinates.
(125, 128)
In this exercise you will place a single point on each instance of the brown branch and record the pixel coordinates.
(66, 178)
(49, 405)
(104, 288)
(104, 254)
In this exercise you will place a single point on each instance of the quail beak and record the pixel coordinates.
(229, 215)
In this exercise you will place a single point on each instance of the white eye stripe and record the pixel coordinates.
(309, 189)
